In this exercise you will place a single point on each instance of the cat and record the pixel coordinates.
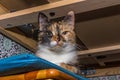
(56, 41)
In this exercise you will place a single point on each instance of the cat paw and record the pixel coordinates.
(69, 67)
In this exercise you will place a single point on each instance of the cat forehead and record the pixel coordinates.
(59, 25)
(55, 26)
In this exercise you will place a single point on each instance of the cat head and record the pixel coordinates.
(57, 34)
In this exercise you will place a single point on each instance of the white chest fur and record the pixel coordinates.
(64, 56)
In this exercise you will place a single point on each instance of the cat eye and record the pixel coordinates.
(49, 34)
(65, 32)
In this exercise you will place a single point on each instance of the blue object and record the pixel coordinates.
(28, 62)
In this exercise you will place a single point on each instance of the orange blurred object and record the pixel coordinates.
(40, 75)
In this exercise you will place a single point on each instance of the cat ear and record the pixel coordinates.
(70, 19)
(43, 21)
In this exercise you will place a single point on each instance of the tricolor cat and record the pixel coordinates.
(57, 40)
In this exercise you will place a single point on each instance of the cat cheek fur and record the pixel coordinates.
(69, 37)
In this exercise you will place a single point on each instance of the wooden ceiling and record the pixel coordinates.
(97, 22)
(3, 10)
(12, 5)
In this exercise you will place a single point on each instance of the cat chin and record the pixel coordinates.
(57, 49)
(65, 54)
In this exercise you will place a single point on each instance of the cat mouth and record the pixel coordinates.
(56, 49)
(56, 46)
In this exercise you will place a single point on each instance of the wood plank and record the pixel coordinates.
(21, 39)
(25, 41)
(100, 51)
(51, 1)
(101, 63)
(9, 4)
(100, 55)
(111, 58)
(3, 10)
(60, 8)
(106, 71)
(21, 4)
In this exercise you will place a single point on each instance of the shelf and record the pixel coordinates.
(100, 55)
(60, 8)
(100, 51)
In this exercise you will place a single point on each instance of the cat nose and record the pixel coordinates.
(55, 38)
(58, 38)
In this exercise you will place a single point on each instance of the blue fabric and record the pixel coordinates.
(28, 62)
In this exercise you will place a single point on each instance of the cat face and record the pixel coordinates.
(57, 34)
